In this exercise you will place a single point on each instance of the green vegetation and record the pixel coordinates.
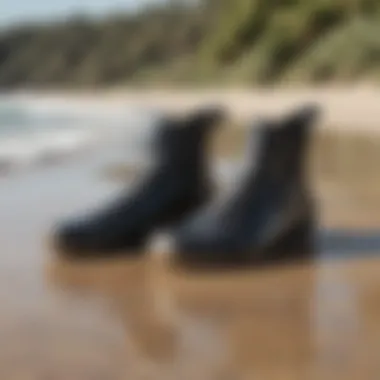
(217, 41)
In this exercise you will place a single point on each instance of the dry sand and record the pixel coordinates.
(344, 107)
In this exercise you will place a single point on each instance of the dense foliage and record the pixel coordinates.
(247, 41)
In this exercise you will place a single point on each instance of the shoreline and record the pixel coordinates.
(348, 107)
(350, 122)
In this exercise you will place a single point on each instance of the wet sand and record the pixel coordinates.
(144, 319)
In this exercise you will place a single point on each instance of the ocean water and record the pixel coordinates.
(34, 132)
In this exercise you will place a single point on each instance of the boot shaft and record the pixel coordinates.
(281, 147)
(180, 145)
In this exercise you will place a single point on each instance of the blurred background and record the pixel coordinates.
(82, 87)
(99, 43)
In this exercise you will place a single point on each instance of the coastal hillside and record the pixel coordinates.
(243, 42)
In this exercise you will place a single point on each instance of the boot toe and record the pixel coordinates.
(70, 240)
(94, 241)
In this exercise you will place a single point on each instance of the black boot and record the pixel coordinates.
(270, 216)
(176, 186)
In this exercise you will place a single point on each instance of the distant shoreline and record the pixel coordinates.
(344, 107)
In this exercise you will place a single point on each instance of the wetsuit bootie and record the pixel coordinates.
(270, 214)
(175, 186)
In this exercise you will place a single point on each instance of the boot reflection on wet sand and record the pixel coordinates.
(162, 340)
(270, 215)
(177, 184)
(125, 287)
(205, 327)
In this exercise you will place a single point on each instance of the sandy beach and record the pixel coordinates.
(344, 107)
(143, 319)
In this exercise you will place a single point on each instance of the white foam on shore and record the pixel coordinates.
(38, 131)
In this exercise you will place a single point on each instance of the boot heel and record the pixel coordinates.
(296, 245)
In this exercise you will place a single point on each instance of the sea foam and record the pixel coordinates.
(39, 131)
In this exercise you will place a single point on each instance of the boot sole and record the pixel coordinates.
(296, 247)
(93, 255)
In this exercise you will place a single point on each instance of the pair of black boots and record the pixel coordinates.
(269, 217)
